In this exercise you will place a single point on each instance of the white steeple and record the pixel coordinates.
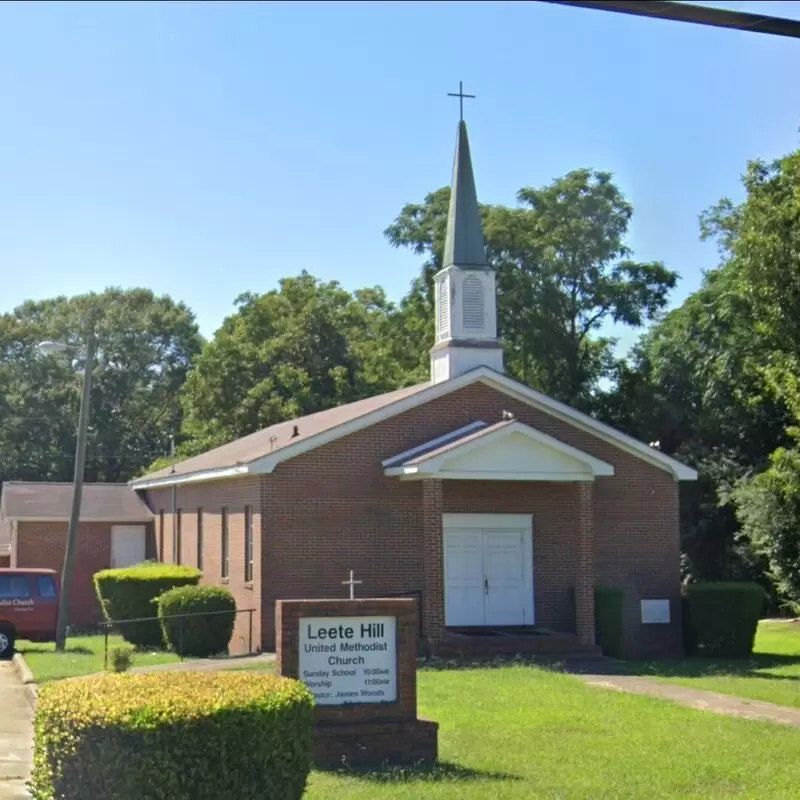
(466, 294)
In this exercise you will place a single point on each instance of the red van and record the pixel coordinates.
(28, 607)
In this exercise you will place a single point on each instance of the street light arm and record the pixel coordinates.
(77, 493)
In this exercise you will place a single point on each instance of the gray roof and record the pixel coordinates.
(464, 245)
(442, 443)
(107, 502)
(270, 440)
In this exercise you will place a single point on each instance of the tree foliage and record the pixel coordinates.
(145, 345)
(564, 271)
(715, 382)
(304, 347)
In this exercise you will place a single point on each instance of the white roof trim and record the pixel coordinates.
(413, 473)
(586, 423)
(266, 464)
(436, 464)
(192, 477)
(110, 520)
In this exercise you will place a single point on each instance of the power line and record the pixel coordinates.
(698, 15)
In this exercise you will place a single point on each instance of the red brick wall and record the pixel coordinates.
(42, 544)
(333, 509)
(5, 561)
(211, 498)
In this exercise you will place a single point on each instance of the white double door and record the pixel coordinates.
(488, 569)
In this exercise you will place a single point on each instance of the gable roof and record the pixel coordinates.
(543, 457)
(275, 438)
(100, 502)
(260, 452)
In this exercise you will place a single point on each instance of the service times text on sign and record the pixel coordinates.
(349, 659)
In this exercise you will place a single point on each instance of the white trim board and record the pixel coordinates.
(267, 464)
(104, 520)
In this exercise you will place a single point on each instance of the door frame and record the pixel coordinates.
(497, 522)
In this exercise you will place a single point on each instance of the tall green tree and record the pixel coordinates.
(145, 345)
(761, 239)
(304, 347)
(715, 383)
(564, 271)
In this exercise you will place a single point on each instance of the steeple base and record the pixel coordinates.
(453, 358)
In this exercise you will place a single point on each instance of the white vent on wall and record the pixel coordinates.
(473, 305)
(443, 321)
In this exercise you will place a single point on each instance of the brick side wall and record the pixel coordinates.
(42, 544)
(333, 509)
(211, 497)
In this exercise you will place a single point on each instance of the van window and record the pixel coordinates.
(46, 584)
(14, 587)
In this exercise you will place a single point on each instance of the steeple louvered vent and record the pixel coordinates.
(473, 305)
(443, 303)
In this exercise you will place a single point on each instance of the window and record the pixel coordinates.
(176, 537)
(225, 557)
(161, 534)
(199, 538)
(248, 544)
(473, 304)
(46, 586)
(14, 587)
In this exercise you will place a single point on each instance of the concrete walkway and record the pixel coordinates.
(16, 735)
(693, 698)
(265, 661)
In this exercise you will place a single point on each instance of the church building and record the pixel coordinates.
(500, 508)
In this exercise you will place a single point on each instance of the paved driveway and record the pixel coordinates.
(16, 735)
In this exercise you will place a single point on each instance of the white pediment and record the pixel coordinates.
(507, 451)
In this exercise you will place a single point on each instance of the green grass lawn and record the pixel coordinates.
(83, 656)
(524, 732)
(772, 674)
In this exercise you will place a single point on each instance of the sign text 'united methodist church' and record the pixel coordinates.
(349, 659)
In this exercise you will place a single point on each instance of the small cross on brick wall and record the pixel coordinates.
(352, 583)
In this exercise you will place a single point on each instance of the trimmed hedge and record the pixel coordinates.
(161, 736)
(203, 636)
(720, 619)
(130, 593)
(608, 619)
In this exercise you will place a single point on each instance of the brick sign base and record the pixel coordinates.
(362, 734)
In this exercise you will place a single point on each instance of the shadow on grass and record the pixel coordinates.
(75, 651)
(490, 662)
(441, 772)
(691, 667)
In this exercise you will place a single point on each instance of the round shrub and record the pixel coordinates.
(162, 736)
(720, 619)
(129, 593)
(200, 636)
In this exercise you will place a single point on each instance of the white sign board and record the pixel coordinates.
(655, 612)
(349, 659)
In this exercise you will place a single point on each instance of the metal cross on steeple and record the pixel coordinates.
(460, 95)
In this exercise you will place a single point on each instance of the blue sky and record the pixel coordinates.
(207, 149)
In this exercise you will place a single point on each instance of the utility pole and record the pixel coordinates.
(77, 492)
